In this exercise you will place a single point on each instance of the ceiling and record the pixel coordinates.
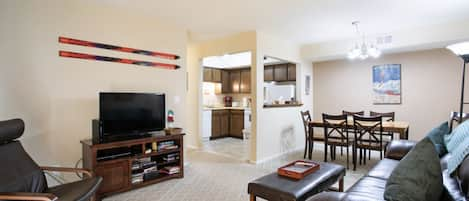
(301, 21)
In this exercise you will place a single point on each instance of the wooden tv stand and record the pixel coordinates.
(121, 173)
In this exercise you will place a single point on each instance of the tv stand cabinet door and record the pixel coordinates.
(115, 176)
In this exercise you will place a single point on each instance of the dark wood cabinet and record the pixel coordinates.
(225, 82)
(115, 176)
(268, 73)
(245, 81)
(216, 124)
(235, 79)
(207, 74)
(225, 123)
(291, 72)
(216, 75)
(237, 123)
(117, 171)
(211, 75)
(220, 123)
(280, 72)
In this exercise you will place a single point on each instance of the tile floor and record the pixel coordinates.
(210, 176)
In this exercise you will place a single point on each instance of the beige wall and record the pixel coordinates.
(58, 97)
(430, 87)
(241, 42)
(280, 130)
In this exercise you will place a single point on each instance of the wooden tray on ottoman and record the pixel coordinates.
(298, 169)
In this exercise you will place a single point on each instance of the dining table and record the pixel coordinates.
(399, 127)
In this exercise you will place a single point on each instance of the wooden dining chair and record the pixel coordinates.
(348, 113)
(336, 134)
(309, 144)
(387, 116)
(368, 135)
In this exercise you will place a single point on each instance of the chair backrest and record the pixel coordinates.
(18, 172)
(306, 117)
(335, 126)
(348, 113)
(455, 117)
(372, 127)
(388, 116)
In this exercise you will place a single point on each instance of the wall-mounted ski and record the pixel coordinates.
(118, 60)
(72, 41)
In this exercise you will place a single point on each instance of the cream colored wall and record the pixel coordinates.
(280, 130)
(58, 97)
(430, 87)
(241, 42)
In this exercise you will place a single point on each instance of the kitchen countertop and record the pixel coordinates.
(227, 108)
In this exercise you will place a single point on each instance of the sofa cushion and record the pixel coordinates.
(417, 176)
(436, 135)
(383, 169)
(463, 175)
(457, 144)
(367, 189)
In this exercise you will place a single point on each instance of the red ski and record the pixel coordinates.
(117, 60)
(72, 41)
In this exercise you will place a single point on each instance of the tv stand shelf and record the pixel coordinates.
(118, 173)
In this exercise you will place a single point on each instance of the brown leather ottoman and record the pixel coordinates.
(273, 187)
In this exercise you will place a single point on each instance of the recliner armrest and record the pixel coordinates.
(28, 196)
(397, 149)
(328, 196)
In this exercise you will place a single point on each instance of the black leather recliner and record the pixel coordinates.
(22, 179)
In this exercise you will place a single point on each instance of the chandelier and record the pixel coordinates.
(362, 49)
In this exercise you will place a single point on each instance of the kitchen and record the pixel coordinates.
(226, 121)
(226, 95)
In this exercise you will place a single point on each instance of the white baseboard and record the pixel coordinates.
(275, 156)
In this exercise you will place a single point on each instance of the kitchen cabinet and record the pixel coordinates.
(268, 73)
(235, 79)
(212, 75)
(280, 72)
(225, 82)
(207, 74)
(216, 75)
(291, 72)
(227, 122)
(220, 123)
(245, 81)
(236, 123)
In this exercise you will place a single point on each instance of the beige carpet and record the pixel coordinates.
(211, 176)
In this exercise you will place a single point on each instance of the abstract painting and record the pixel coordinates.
(387, 84)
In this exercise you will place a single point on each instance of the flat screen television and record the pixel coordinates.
(131, 114)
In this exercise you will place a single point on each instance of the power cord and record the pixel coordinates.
(76, 166)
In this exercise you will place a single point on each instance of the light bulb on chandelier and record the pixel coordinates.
(363, 50)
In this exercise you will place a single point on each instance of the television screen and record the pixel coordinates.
(131, 113)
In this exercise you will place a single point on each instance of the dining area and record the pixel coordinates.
(355, 134)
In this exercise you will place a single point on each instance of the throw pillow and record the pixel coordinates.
(436, 135)
(417, 176)
(457, 144)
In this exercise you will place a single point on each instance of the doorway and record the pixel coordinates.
(226, 105)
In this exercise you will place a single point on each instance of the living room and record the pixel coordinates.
(57, 95)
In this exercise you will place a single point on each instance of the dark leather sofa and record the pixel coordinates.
(371, 187)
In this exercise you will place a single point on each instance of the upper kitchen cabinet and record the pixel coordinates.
(235, 79)
(280, 72)
(269, 73)
(225, 82)
(245, 81)
(212, 75)
(291, 72)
